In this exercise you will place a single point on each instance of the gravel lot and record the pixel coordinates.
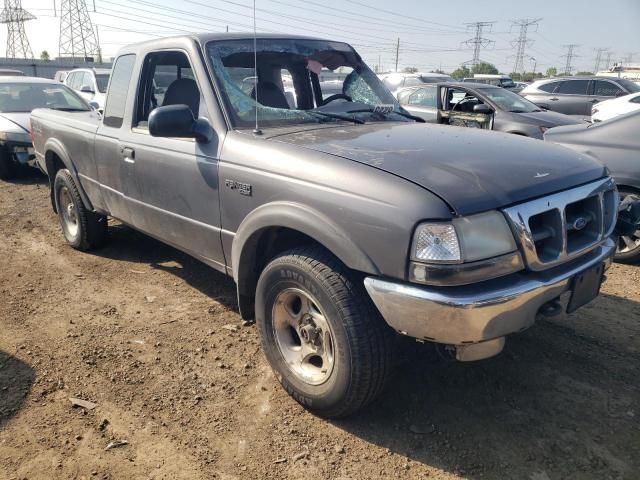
(152, 337)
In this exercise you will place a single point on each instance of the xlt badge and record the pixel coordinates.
(243, 188)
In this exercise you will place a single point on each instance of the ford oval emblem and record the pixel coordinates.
(579, 223)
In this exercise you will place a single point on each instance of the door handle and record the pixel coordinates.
(554, 99)
(128, 154)
(595, 101)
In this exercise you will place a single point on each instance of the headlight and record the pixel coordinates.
(465, 239)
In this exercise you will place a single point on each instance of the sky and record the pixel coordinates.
(431, 33)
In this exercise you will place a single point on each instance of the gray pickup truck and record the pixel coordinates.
(341, 220)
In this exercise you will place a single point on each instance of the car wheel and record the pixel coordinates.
(628, 246)
(7, 168)
(82, 228)
(325, 340)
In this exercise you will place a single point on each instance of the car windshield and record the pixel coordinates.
(24, 97)
(630, 86)
(298, 81)
(102, 79)
(509, 101)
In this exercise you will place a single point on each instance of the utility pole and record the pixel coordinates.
(15, 16)
(77, 36)
(521, 43)
(478, 41)
(535, 64)
(397, 52)
(569, 56)
(599, 53)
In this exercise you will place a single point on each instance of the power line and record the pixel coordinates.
(521, 43)
(570, 55)
(478, 41)
(17, 42)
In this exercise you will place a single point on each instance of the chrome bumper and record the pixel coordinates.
(478, 312)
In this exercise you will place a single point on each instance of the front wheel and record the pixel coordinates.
(320, 332)
(628, 246)
(82, 228)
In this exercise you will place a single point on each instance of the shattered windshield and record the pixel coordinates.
(298, 81)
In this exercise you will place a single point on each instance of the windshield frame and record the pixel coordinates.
(231, 114)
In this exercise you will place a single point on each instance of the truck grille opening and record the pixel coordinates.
(557, 228)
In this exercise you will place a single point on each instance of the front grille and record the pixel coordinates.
(560, 227)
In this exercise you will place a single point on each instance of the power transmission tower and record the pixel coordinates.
(15, 16)
(77, 36)
(521, 43)
(608, 64)
(568, 67)
(628, 58)
(599, 53)
(478, 41)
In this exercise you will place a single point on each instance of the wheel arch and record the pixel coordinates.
(276, 227)
(56, 158)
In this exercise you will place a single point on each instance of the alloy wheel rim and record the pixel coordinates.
(303, 336)
(69, 212)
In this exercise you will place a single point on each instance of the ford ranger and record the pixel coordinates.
(341, 217)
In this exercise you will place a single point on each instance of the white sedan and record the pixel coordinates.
(617, 106)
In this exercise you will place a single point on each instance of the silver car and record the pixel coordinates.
(576, 95)
(481, 106)
(616, 144)
(18, 96)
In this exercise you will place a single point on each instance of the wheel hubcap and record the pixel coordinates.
(303, 336)
(69, 212)
(629, 243)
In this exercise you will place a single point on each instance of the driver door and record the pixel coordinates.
(458, 110)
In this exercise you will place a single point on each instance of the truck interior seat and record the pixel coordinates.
(270, 95)
(183, 91)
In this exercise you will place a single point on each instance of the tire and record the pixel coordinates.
(83, 229)
(628, 247)
(7, 167)
(354, 360)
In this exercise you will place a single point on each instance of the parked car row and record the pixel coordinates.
(340, 215)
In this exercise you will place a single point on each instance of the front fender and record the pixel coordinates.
(54, 148)
(303, 219)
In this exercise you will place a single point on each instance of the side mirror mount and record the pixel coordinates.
(94, 105)
(177, 121)
(86, 89)
(482, 108)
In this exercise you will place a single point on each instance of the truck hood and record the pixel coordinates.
(472, 170)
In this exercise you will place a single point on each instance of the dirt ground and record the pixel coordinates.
(152, 337)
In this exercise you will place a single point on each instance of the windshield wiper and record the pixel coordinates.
(341, 117)
(402, 114)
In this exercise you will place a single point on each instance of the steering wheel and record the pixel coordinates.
(337, 96)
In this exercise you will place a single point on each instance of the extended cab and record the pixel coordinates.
(341, 220)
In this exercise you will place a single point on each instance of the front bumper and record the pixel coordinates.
(22, 153)
(479, 312)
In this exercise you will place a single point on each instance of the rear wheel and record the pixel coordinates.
(320, 332)
(7, 167)
(629, 246)
(82, 228)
